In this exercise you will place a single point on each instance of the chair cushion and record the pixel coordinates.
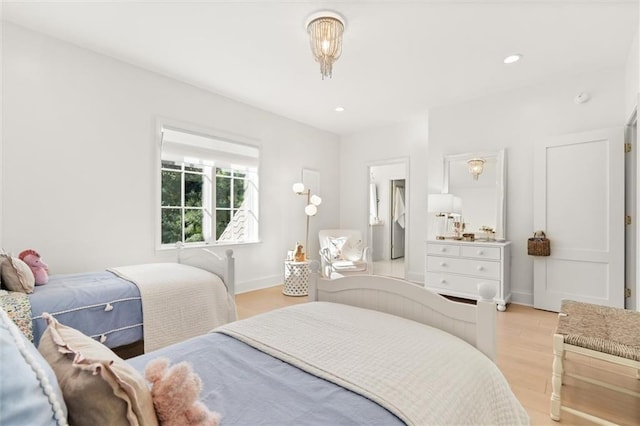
(335, 246)
(349, 266)
(352, 250)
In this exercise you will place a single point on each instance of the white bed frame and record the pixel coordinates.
(475, 324)
(224, 267)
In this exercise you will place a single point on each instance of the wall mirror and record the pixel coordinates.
(483, 196)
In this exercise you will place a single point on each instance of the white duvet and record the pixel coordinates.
(178, 301)
(421, 374)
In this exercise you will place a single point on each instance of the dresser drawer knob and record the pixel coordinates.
(480, 252)
(443, 264)
(480, 268)
(443, 249)
(443, 281)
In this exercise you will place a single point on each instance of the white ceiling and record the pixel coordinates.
(399, 57)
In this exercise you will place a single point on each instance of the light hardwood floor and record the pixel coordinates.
(524, 355)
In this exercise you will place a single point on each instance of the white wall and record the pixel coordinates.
(403, 141)
(516, 120)
(78, 169)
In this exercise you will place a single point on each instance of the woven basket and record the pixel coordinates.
(539, 245)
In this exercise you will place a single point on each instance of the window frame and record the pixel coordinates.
(211, 195)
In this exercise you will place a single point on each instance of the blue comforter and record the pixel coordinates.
(249, 387)
(99, 304)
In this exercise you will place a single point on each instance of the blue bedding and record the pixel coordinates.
(99, 304)
(249, 387)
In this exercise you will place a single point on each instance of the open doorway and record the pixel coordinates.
(388, 222)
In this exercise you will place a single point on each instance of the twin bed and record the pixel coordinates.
(369, 350)
(158, 303)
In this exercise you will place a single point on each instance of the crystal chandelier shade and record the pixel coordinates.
(476, 166)
(325, 35)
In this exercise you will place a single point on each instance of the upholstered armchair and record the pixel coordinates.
(342, 252)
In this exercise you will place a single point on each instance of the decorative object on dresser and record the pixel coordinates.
(449, 223)
(441, 205)
(457, 268)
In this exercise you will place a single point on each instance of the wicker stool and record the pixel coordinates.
(601, 332)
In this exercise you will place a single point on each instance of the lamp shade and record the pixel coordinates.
(440, 203)
(457, 205)
(298, 188)
(315, 200)
(311, 210)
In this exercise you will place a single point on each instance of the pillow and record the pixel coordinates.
(98, 386)
(352, 250)
(335, 247)
(30, 392)
(16, 275)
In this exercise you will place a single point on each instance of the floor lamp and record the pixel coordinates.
(313, 201)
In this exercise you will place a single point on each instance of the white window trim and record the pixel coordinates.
(162, 122)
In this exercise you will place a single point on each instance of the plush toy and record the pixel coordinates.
(175, 392)
(38, 267)
(298, 256)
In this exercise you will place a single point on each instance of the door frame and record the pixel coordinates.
(631, 175)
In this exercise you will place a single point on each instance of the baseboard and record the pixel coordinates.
(521, 298)
(259, 284)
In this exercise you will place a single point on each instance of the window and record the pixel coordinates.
(209, 189)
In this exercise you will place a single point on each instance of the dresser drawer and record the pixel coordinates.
(457, 283)
(443, 249)
(481, 252)
(479, 268)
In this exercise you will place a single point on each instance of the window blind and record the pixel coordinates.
(191, 148)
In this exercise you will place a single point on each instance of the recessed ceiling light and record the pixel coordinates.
(339, 108)
(512, 58)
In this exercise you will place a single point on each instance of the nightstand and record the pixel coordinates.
(296, 278)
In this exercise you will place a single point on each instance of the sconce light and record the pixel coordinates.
(475, 167)
(311, 209)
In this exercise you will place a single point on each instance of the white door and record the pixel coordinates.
(579, 204)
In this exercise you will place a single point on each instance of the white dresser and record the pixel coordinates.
(455, 268)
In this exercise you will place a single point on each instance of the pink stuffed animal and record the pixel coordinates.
(175, 392)
(38, 267)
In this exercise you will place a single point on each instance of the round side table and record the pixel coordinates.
(296, 278)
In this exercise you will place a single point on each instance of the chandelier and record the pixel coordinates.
(476, 166)
(325, 35)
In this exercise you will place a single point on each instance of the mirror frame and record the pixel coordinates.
(501, 183)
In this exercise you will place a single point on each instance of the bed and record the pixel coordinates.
(366, 350)
(131, 304)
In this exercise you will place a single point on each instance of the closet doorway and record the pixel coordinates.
(388, 217)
